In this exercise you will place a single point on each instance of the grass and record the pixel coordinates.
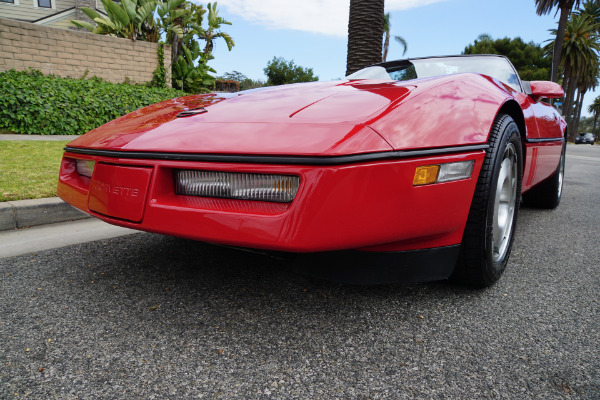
(29, 169)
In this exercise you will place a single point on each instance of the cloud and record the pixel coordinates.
(329, 17)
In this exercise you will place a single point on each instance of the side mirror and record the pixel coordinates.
(545, 89)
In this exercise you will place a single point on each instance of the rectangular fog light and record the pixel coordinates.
(243, 186)
(455, 171)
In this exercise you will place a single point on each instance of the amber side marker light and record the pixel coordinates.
(429, 174)
(426, 175)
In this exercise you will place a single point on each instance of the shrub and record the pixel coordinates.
(32, 103)
(224, 85)
(244, 82)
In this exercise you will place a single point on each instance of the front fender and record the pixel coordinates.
(449, 111)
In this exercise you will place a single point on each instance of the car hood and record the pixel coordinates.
(321, 118)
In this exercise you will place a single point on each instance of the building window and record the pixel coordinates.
(44, 3)
(8, 1)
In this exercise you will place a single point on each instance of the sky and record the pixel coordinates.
(314, 33)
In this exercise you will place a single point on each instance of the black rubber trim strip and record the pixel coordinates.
(544, 140)
(267, 159)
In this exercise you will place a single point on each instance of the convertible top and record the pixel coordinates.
(493, 65)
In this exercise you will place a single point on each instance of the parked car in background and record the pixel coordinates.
(584, 138)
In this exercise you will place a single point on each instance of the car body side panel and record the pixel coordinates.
(531, 131)
(548, 120)
(448, 111)
(460, 109)
(531, 125)
(542, 159)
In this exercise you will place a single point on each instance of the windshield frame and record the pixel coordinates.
(393, 65)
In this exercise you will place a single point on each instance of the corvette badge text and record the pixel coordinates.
(117, 190)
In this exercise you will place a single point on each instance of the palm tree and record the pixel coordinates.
(212, 32)
(386, 41)
(594, 108)
(365, 33)
(565, 7)
(591, 8)
(589, 78)
(171, 14)
(579, 58)
(587, 81)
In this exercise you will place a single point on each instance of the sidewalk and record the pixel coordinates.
(54, 138)
(17, 242)
(26, 213)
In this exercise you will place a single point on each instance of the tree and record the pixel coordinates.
(171, 15)
(365, 34)
(589, 76)
(212, 32)
(386, 41)
(591, 8)
(191, 72)
(528, 58)
(594, 108)
(281, 72)
(565, 7)
(131, 19)
(190, 63)
(179, 22)
(587, 81)
(579, 58)
(586, 124)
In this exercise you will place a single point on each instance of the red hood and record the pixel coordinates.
(323, 118)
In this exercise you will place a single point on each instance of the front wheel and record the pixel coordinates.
(489, 232)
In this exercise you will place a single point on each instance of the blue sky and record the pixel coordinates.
(313, 33)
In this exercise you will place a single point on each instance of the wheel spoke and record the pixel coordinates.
(504, 203)
(561, 173)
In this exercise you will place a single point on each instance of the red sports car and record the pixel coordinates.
(410, 169)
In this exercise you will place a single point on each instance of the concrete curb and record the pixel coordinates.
(52, 138)
(24, 213)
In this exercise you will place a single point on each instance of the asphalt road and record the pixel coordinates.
(153, 317)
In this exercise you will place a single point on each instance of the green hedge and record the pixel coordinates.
(32, 103)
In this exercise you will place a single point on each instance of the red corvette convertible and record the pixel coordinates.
(409, 169)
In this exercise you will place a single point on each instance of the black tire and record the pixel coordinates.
(547, 194)
(489, 232)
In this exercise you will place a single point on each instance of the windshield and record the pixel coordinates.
(403, 70)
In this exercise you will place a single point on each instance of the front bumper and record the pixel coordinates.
(371, 206)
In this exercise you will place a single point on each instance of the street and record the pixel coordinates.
(146, 316)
